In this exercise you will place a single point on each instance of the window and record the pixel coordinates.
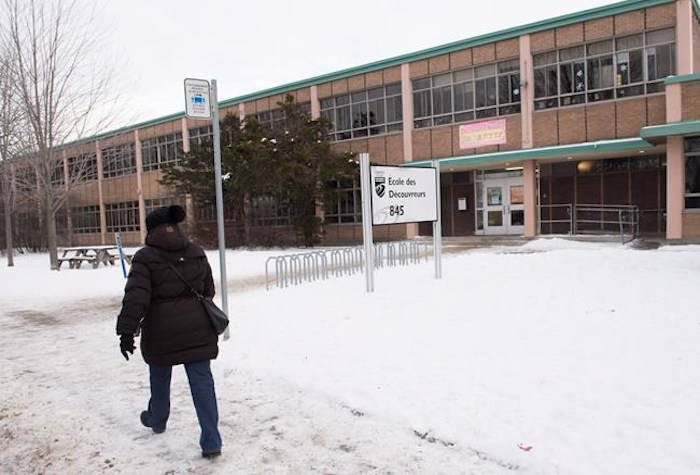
(692, 173)
(86, 219)
(363, 113)
(629, 60)
(150, 205)
(546, 81)
(57, 175)
(122, 217)
(200, 136)
(83, 167)
(270, 211)
(621, 67)
(118, 160)
(660, 58)
(275, 118)
(161, 151)
(25, 180)
(572, 76)
(345, 206)
(485, 87)
(601, 71)
(460, 96)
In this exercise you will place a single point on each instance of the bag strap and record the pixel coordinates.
(177, 273)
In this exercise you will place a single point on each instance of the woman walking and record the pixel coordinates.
(175, 328)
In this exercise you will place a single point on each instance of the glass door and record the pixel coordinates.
(495, 207)
(515, 209)
(503, 202)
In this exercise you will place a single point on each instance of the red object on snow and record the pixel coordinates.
(526, 448)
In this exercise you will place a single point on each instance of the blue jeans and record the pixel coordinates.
(203, 396)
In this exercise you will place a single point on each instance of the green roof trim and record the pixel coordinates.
(509, 33)
(688, 127)
(558, 151)
(684, 78)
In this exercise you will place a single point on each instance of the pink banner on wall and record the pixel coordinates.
(482, 134)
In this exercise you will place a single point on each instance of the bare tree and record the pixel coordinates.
(12, 144)
(62, 87)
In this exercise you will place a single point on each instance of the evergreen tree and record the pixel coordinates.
(289, 164)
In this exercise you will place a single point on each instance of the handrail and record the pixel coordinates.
(622, 216)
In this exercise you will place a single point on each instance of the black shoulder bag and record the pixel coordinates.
(217, 317)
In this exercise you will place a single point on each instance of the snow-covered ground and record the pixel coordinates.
(552, 357)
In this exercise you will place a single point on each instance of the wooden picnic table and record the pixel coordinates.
(94, 255)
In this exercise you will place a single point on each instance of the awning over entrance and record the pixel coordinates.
(658, 133)
(632, 145)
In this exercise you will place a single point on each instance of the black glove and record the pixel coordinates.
(126, 345)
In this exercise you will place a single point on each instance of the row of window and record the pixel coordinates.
(345, 206)
(83, 167)
(615, 68)
(118, 160)
(692, 173)
(162, 151)
(86, 219)
(479, 92)
(270, 211)
(363, 113)
(121, 217)
(275, 118)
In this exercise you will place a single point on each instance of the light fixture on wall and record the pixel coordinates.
(585, 166)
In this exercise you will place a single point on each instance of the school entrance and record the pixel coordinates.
(500, 198)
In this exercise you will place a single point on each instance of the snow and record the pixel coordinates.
(586, 352)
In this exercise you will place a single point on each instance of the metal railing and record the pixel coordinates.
(322, 264)
(594, 219)
(568, 219)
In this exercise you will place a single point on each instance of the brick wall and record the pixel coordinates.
(690, 93)
(601, 121)
(691, 225)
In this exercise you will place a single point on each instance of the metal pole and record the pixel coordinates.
(366, 192)
(437, 225)
(214, 100)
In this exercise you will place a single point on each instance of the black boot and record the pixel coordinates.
(211, 455)
(147, 423)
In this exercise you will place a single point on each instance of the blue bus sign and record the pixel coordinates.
(197, 103)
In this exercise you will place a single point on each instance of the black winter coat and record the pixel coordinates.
(175, 328)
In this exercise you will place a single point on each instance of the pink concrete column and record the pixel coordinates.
(185, 135)
(530, 191)
(241, 112)
(139, 187)
(407, 113)
(684, 36)
(527, 95)
(675, 187)
(189, 205)
(315, 103)
(100, 197)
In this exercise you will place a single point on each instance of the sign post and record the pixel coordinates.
(118, 238)
(399, 195)
(366, 221)
(201, 102)
(437, 225)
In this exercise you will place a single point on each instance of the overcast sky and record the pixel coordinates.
(252, 45)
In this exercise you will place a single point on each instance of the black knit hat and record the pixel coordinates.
(165, 215)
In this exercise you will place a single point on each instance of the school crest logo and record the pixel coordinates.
(380, 185)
